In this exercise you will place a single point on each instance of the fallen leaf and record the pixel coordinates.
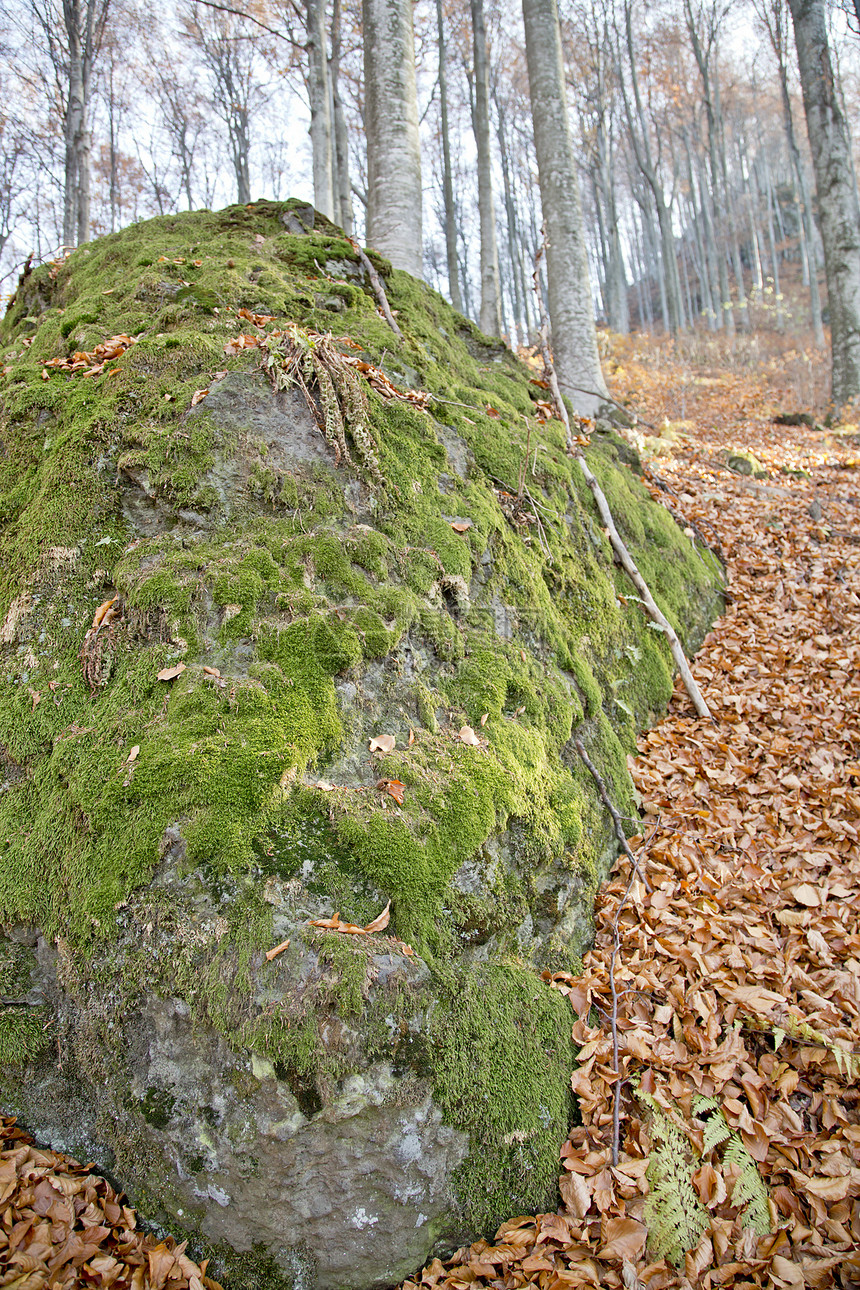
(461, 526)
(211, 671)
(395, 787)
(623, 1238)
(382, 743)
(198, 396)
(279, 949)
(804, 894)
(103, 611)
(133, 755)
(467, 735)
(169, 673)
(381, 920)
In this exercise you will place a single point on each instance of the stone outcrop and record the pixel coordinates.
(332, 1115)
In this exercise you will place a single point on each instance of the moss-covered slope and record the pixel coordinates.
(315, 605)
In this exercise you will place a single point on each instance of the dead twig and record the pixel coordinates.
(625, 559)
(378, 288)
(611, 808)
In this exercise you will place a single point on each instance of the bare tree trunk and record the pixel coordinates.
(319, 95)
(394, 197)
(571, 311)
(343, 187)
(671, 283)
(447, 175)
(491, 317)
(838, 205)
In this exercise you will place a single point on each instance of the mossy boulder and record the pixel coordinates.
(212, 602)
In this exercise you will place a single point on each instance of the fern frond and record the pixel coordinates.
(716, 1128)
(749, 1190)
(673, 1212)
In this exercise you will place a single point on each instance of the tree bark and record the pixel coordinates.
(447, 174)
(574, 336)
(83, 24)
(838, 204)
(394, 195)
(319, 96)
(491, 314)
(343, 212)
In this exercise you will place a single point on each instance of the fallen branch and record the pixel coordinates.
(611, 808)
(616, 937)
(378, 288)
(624, 557)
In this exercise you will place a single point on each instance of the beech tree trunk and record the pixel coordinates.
(574, 337)
(83, 26)
(838, 204)
(491, 313)
(319, 95)
(450, 213)
(343, 212)
(394, 196)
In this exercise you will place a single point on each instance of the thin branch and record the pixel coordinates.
(611, 808)
(240, 13)
(378, 288)
(625, 559)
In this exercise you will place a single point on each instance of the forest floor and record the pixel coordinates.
(728, 967)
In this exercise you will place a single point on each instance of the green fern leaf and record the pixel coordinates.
(749, 1191)
(716, 1128)
(673, 1212)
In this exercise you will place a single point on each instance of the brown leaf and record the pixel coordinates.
(103, 611)
(381, 920)
(328, 923)
(169, 673)
(395, 787)
(279, 949)
(805, 894)
(198, 396)
(382, 743)
(466, 735)
(133, 755)
(623, 1238)
(211, 671)
(461, 526)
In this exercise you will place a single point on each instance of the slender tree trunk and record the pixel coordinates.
(319, 94)
(642, 150)
(75, 122)
(394, 194)
(491, 317)
(343, 187)
(571, 312)
(810, 267)
(447, 174)
(838, 205)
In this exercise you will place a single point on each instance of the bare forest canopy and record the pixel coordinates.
(687, 123)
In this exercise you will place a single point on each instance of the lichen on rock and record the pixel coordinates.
(397, 1091)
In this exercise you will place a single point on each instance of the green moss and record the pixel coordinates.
(25, 1034)
(502, 1054)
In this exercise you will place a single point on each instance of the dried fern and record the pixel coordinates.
(674, 1214)
(332, 389)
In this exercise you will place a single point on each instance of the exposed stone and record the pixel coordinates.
(347, 1108)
